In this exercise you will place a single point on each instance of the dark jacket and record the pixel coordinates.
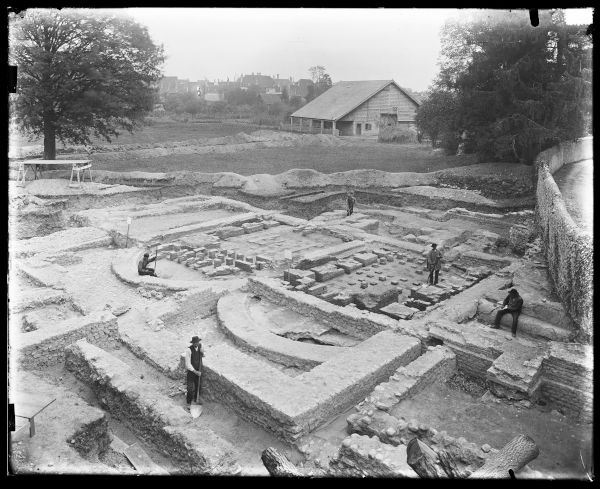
(143, 263)
(514, 302)
(434, 260)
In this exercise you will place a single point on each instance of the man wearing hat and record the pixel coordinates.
(434, 264)
(143, 268)
(513, 305)
(193, 365)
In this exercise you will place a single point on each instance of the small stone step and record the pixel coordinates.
(516, 373)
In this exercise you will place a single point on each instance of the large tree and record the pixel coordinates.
(518, 89)
(81, 72)
(321, 82)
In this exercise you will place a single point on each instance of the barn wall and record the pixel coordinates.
(369, 111)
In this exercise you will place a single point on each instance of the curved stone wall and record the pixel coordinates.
(568, 248)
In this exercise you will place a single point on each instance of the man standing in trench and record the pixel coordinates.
(350, 200)
(193, 365)
(434, 264)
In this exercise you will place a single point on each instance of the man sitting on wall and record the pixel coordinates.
(143, 268)
(512, 304)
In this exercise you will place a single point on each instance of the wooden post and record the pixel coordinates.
(322, 125)
(333, 128)
(423, 460)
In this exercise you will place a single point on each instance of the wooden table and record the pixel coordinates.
(76, 166)
(28, 407)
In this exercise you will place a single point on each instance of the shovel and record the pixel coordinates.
(196, 409)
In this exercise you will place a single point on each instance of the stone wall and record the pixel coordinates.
(569, 249)
(46, 347)
(568, 379)
(348, 320)
(149, 413)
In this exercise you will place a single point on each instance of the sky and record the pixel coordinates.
(352, 44)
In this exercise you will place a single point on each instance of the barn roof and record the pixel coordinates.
(343, 97)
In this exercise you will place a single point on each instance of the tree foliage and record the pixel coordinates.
(81, 74)
(321, 82)
(516, 89)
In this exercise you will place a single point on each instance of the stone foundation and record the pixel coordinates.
(150, 414)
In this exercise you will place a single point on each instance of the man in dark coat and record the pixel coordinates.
(434, 264)
(193, 366)
(351, 200)
(143, 268)
(513, 305)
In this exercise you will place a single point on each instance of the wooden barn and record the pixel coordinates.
(356, 108)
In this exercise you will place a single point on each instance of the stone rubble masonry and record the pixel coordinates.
(324, 255)
(568, 378)
(252, 227)
(516, 373)
(486, 312)
(348, 265)
(327, 272)
(347, 320)
(149, 413)
(243, 265)
(559, 372)
(290, 407)
(241, 328)
(222, 223)
(398, 432)
(438, 363)
(45, 347)
(364, 456)
(71, 239)
(229, 232)
(473, 257)
(568, 248)
(36, 298)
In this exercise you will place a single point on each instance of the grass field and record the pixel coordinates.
(162, 131)
(360, 154)
(385, 157)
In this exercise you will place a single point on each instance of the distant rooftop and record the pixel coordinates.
(343, 97)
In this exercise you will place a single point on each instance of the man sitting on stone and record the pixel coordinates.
(193, 365)
(434, 264)
(143, 268)
(512, 304)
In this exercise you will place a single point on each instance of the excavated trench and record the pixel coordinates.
(227, 423)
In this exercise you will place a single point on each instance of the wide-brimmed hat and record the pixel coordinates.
(195, 339)
(434, 245)
(146, 254)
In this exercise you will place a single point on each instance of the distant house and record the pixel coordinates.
(214, 96)
(168, 84)
(357, 108)
(300, 88)
(270, 98)
(261, 81)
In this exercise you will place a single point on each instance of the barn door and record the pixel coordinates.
(358, 129)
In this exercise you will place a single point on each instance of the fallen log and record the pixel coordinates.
(515, 455)
(423, 460)
(278, 465)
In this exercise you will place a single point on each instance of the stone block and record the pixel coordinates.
(229, 231)
(398, 311)
(204, 263)
(217, 262)
(270, 224)
(252, 227)
(342, 299)
(295, 275)
(327, 272)
(317, 289)
(262, 258)
(348, 265)
(365, 258)
(245, 266)
(329, 296)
